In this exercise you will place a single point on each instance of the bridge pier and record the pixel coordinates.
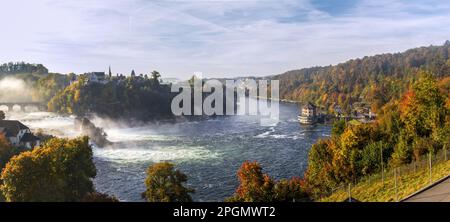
(22, 106)
(42, 108)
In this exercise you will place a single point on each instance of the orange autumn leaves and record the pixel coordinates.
(256, 186)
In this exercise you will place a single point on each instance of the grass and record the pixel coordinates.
(354, 122)
(406, 185)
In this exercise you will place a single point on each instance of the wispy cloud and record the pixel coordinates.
(216, 37)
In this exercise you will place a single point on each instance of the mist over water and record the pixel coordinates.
(15, 90)
(209, 151)
(50, 123)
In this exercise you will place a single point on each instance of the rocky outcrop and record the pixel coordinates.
(96, 134)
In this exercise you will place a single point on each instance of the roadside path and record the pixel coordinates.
(438, 192)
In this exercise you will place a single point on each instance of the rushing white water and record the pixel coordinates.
(50, 123)
(209, 151)
(125, 151)
(157, 154)
(135, 134)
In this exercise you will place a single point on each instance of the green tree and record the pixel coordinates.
(166, 184)
(7, 151)
(338, 127)
(346, 159)
(402, 152)
(48, 86)
(423, 108)
(290, 191)
(318, 176)
(60, 170)
(130, 98)
(99, 197)
(421, 146)
(371, 157)
(155, 77)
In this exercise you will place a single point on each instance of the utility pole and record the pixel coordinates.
(445, 152)
(382, 167)
(395, 184)
(349, 192)
(429, 154)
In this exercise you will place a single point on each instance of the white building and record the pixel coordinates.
(308, 114)
(96, 77)
(18, 134)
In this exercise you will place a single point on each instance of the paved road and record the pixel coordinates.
(439, 192)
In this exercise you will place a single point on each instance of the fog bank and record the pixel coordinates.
(15, 90)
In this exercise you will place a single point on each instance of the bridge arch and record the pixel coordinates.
(22, 107)
(4, 108)
(15, 108)
(30, 108)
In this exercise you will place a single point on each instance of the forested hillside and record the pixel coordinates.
(29, 82)
(372, 79)
(22, 67)
(143, 99)
(417, 124)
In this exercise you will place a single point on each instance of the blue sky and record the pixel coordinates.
(221, 38)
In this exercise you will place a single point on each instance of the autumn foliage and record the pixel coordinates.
(406, 129)
(255, 186)
(166, 184)
(373, 79)
(62, 170)
(99, 198)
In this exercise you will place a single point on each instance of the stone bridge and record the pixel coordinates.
(22, 105)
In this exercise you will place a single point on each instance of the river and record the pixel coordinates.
(209, 151)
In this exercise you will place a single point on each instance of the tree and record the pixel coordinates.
(22, 67)
(318, 176)
(290, 191)
(373, 79)
(423, 108)
(61, 171)
(193, 79)
(131, 98)
(5, 155)
(254, 185)
(402, 152)
(99, 198)
(48, 86)
(155, 77)
(371, 157)
(166, 184)
(2, 115)
(5, 151)
(338, 127)
(421, 146)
